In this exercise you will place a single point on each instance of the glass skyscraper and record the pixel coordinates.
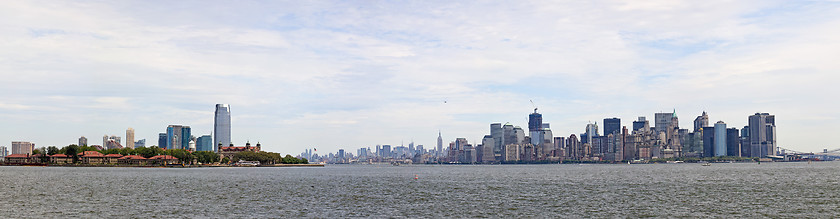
(204, 143)
(221, 128)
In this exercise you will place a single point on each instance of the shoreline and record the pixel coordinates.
(155, 166)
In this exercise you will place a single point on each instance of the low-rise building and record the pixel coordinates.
(112, 158)
(132, 159)
(92, 157)
(162, 160)
(230, 151)
(61, 159)
(17, 158)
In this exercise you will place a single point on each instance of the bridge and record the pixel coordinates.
(826, 154)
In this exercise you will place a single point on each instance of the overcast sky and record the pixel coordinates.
(350, 74)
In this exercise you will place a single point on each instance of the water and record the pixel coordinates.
(654, 190)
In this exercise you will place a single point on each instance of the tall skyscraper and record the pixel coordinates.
(733, 142)
(497, 133)
(591, 132)
(762, 134)
(439, 145)
(612, 126)
(663, 121)
(140, 143)
(701, 121)
(129, 137)
(221, 128)
(534, 121)
(83, 141)
(720, 139)
(22, 147)
(708, 141)
(4, 151)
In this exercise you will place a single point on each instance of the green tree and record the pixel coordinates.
(72, 151)
(206, 156)
(52, 150)
(225, 160)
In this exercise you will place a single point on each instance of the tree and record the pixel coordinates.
(72, 151)
(225, 160)
(52, 150)
(36, 151)
(206, 156)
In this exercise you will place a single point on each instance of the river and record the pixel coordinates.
(440, 191)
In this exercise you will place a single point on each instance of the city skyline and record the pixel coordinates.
(332, 75)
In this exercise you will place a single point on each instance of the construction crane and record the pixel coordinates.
(535, 105)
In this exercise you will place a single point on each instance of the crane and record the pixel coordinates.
(535, 105)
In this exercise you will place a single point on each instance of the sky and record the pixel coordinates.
(351, 74)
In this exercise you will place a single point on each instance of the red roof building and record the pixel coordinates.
(17, 158)
(132, 159)
(112, 158)
(61, 158)
(162, 160)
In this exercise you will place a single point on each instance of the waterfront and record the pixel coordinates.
(655, 190)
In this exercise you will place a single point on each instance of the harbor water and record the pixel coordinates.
(729, 190)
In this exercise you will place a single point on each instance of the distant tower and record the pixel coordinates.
(221, 127)
(701, 121)
(762, 134)
(439, 144)
(720, 139)
(83, 141)
(129, 138)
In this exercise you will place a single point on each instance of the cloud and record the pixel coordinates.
(353, 74)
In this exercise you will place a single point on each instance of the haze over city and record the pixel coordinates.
(332, 75)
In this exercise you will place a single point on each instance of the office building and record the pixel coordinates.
(83, 141)
(591, 132)
(762, 136)
(22, 147)
(439, 145)
(701, 121)
(4, 151)
(497, 133)
(745, 142)
(612, 126)
(221, 127)
(720, 139)
(162, 143)
(178, 136)
(733, 142)
(140, 143)
(641, 124)
(129, 138)
(708, 141)
(204, 143)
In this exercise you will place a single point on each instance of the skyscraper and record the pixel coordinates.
(83, 141)
(642, 124)
(591, 132)
(129, 137)
(497, 133)
(701, 121)
(720, 139)
(178, 136)
(762, 136)
(221, 128)
(204, 143)
(612, 126)
(439, 145)
(663, 121)
(708, 141)
(162, 143)
(733, 142)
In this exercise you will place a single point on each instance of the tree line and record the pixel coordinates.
(185, 156)
(268, 158)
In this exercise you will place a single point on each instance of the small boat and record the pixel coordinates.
(707, 164)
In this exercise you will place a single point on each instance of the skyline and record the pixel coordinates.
(332, 75)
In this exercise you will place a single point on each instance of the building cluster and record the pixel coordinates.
(90, 158)
(617, 143)
(175, 137)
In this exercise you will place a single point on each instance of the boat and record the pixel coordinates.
(707, 164)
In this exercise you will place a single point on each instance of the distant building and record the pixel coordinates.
(701, 121)
(708, 141)
(221, 126)
(497, 133)
(22, 147)
(488, 143)
(140, 143)
(83, 141)
(114, 138)
(762, 136)
(178, 136)
(231, 150)
(129, 137)
(439, 145)
(591, 132)
(204, 143)
(612, 126)
(641, 124)
(720, 139)
(4, 151)
(162, 143)
(733, 142)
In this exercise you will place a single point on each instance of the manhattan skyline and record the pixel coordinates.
(331, 75)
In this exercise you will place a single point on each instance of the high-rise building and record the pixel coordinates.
(129, 137)
(4, 151)
(204, 143)
(140, 143)
(708, 141)
(534, 121)
(439, 145)
(591, 132)
(745, 142)
(162, 141)
(22, 147)
(762, 134)
(497, 132)
(612, 126)
(701, 121)
(487, 146)
(641, 124)
(112, 141)
(733, 142)
(83, 141)
(178, 136)
(221, 128)
(720, 139)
